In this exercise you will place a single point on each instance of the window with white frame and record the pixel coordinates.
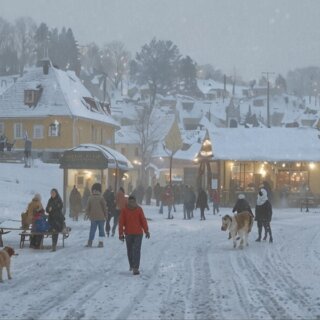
(54, 129)
(38, 131)
(18, 131)
(1, 128)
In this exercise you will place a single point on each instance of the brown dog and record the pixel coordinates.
(5, 257)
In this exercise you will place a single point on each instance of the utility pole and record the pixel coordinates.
(268, 97)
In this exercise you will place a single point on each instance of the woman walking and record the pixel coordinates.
(263, 215)
(97, 212)
(56, 217)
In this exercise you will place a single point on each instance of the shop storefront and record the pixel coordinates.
(87, 164)
(288, 160)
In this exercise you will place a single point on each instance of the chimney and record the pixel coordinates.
(45, 65)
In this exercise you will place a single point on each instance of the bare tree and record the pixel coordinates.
(25, 29)
(146, 130)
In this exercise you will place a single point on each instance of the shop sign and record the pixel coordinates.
(83, 160)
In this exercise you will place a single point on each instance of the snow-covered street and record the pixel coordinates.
(189, 270)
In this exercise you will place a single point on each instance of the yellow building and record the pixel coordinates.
(55, 111)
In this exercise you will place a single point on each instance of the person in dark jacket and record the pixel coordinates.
(215, 200)
(157, 193)
(148, 195)
(75, 203)
(242, 204)
(202, 203)
(56, 217)
(110, 200)
(132, 224)
(189, 199)
(263, 215)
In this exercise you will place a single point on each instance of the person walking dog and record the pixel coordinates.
(132, 224)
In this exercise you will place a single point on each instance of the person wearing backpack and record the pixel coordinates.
(97, 212)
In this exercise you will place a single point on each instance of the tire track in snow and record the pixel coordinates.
(137, 299)
(268, 296)
(203, 297)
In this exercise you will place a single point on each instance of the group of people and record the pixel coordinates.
(45, 219)
(191, 201)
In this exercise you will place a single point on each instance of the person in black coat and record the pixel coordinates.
(56, 217)
(242, 204)
(202, 203)
(263, 215)
(110, 200)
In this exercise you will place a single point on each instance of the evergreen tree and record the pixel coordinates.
(42, 41)
(188, 76)
(281, 83)
(157, 64)
(72, 51)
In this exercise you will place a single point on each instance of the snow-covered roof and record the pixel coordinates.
(6, 82)
(115, 158)
(265, 144)
(189, 154)
(62, 95)
(160, 125)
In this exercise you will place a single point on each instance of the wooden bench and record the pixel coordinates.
(26, 236)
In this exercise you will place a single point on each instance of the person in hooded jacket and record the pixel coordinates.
(33, 207)
(263, 215)
(97, 212)
(132, 224)
(242, 204)
(56, 217)
(202, 203)
(121, 203)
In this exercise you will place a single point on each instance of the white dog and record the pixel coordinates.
(240, 224)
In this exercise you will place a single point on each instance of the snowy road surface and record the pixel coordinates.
(189, 270)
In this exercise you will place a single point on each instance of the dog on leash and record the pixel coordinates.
(239, 224)
(5, 256)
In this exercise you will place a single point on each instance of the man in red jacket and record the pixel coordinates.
(132, 224)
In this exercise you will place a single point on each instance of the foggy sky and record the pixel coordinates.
(245, 37)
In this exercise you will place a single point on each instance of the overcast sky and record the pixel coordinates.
(242, 36)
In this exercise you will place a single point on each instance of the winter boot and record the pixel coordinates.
(89, 244)
(135, 271)
(259, 233)
(271, 240)
(265, 237)
(100, 245)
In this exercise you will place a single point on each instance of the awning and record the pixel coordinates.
(94, 156)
